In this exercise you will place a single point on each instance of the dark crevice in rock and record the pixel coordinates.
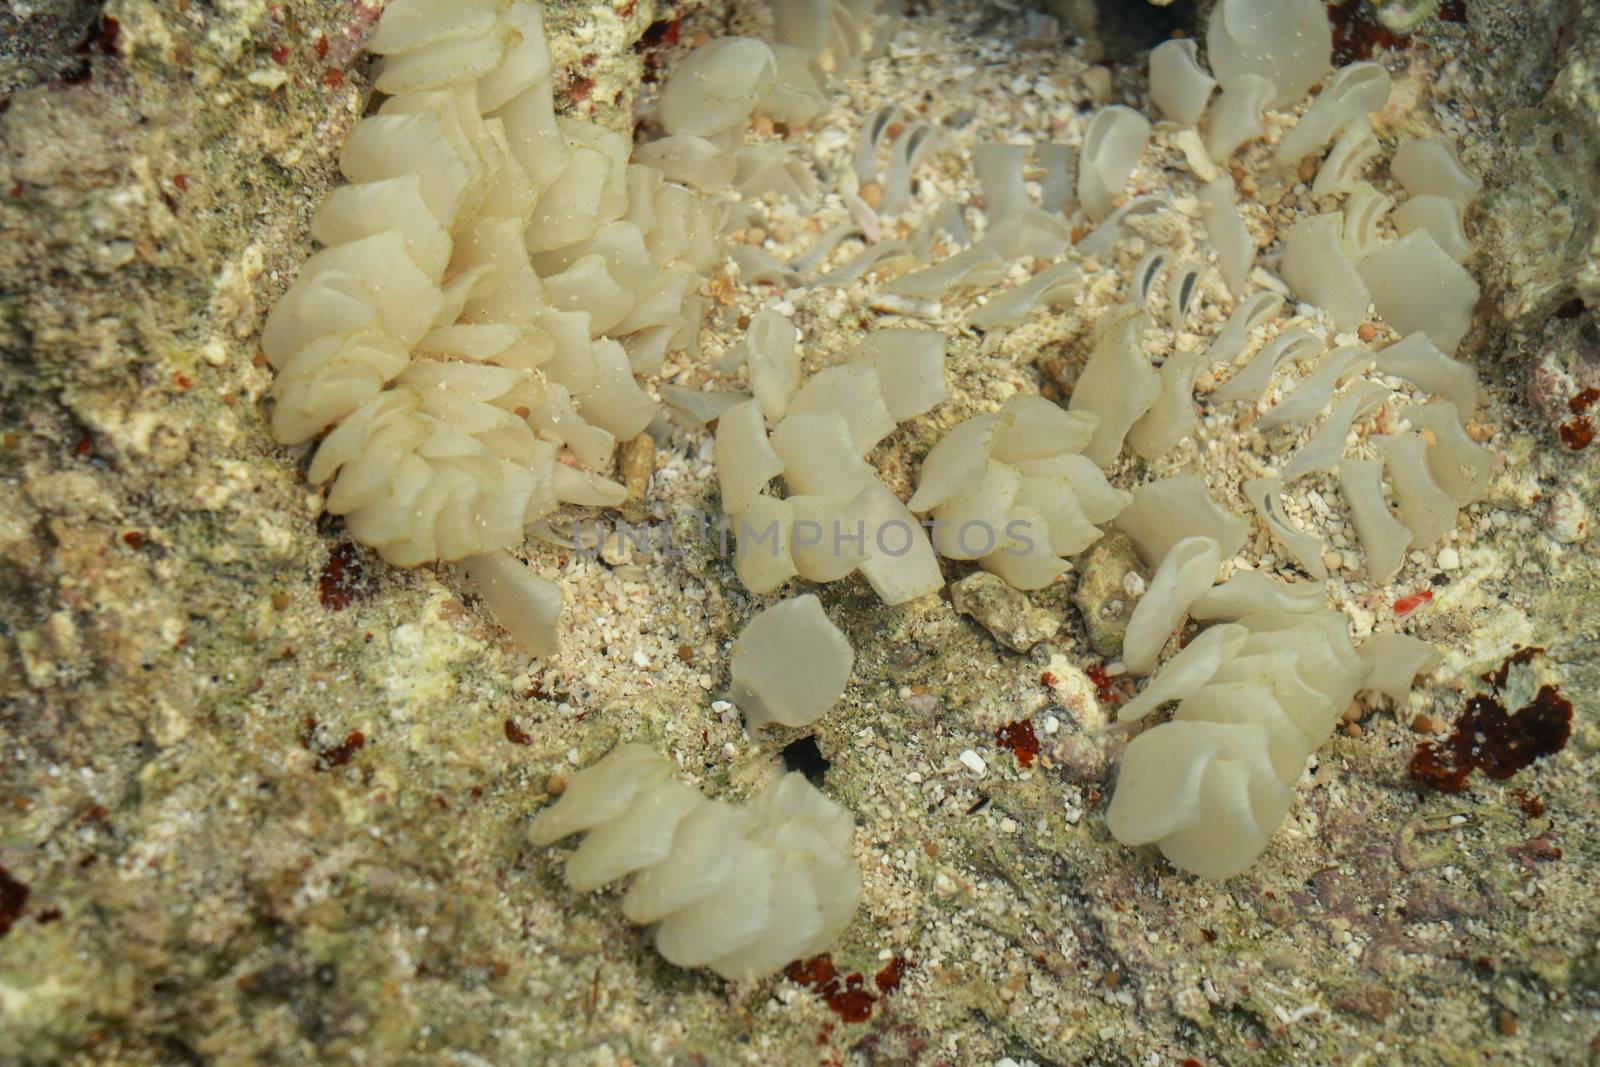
(47, 42)
(1117, 31)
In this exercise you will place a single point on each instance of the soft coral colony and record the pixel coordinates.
(497, 279)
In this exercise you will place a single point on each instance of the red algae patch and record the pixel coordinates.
(340, 583)
(846, 997)
(1020, 739)
(1578, 433)
(1490, 739)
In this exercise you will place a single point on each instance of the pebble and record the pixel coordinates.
(1005, 612)
(636, 462)
(1194, 153)
(1079, 759)
(1449, 559)
(616, 550)
(1567, 517)
(1098, 81)
(1191, 1004)
(1109, 569)
(973, 762)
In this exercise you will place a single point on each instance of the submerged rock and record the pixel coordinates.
(1540, 216)
(1003, 611)
(1112, 579)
